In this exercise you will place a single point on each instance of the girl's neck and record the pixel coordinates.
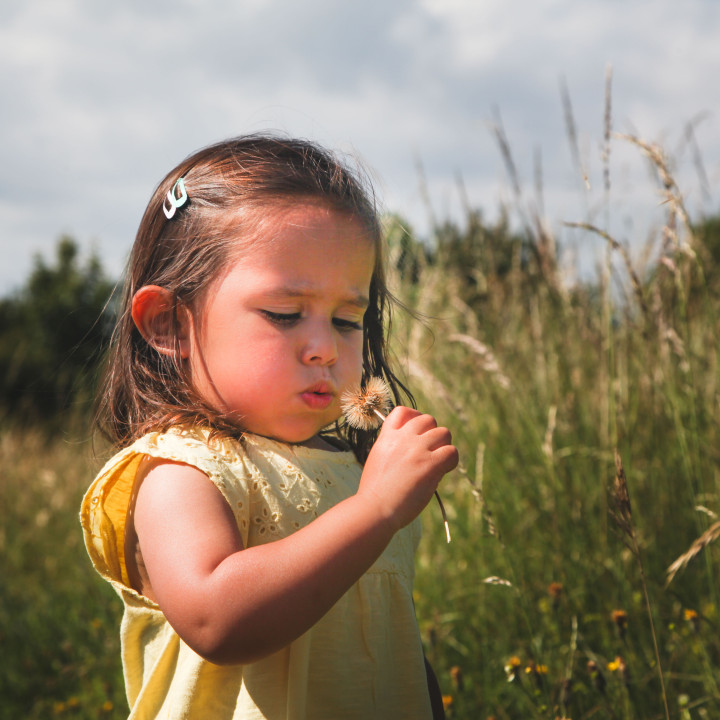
(324, 442)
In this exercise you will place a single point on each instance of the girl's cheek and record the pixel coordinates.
(354, 349)
(358, 361)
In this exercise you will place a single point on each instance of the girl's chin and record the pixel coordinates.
(304, 433)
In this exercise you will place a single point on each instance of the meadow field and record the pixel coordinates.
(582, 580)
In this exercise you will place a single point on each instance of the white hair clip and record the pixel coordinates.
(175, 198)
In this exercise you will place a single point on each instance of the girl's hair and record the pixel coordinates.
(144, 390)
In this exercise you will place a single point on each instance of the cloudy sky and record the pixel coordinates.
(100, 99)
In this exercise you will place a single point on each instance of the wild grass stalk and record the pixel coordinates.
(623, 516)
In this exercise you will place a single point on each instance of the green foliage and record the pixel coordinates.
(708, 236)
(541, 383)
(58, 619)
(52, 333)
(475, 253)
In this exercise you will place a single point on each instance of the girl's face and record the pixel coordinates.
(279, 336)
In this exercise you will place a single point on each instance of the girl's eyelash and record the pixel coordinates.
(288, 319)
(281, 318)
(344, 325)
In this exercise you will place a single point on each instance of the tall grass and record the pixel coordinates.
(59, 622)
(547, 604)
(543, 605)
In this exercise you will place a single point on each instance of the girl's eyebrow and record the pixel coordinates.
(357, 299)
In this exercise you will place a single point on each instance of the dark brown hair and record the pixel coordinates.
(144, 390)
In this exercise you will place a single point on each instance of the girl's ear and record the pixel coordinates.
(152, 313)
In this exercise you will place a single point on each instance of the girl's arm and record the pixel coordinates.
(235, 605)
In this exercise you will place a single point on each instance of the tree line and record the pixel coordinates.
(53, 332)
(56, 328)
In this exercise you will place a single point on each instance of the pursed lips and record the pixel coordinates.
(318, 396)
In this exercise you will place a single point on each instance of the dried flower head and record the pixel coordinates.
(365, 408)
(555, 590)
(621, 510)
(598, 679)
(620, 618)
(456, 676)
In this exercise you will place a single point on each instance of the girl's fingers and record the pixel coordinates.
(414, 420)
(400, 416)
(448, 458)
(437, 437)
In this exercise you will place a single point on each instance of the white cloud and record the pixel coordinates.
(103, 98)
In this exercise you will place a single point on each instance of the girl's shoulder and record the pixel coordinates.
(222, 457)
(109, 501)
(196, 445)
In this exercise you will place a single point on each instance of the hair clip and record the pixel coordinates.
(175, 198)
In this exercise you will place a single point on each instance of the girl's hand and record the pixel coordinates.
(406, 464)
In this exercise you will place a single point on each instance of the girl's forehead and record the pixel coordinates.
(302, 246)
(284, 227)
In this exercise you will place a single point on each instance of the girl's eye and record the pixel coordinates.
(290, 319)
(281, 319)
(346, 325)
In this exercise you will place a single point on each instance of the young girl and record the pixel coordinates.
(263, 549)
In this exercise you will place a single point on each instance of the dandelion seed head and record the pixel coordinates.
(361, 405)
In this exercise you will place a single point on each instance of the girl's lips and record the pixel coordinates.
(318, 396)
(317, 400)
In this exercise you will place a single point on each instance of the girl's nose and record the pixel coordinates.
(320, 345)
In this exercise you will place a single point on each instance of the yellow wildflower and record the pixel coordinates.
(693, 617)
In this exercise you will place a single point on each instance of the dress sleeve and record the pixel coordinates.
(105, 507)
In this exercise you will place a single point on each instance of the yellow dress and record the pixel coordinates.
(362, 660)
